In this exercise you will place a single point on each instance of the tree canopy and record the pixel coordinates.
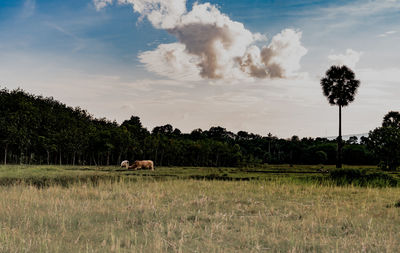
(38, 130)
(339, 85)
(384, 141)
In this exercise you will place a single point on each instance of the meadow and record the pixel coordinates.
(260, 209)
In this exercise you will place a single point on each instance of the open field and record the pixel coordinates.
(271, 209)
(199, 216)
(45, 175)
(49, 175)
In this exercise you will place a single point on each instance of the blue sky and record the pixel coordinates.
(96, 59)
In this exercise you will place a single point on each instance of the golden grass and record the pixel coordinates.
(199, 216)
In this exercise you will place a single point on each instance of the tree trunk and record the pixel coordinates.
(119, 157)
(155, 158)
(21, 157)
(48, 157)
(94, 160)
(60, 158)
(339, 144)
(279, 154)
(5, 154)
(108, 158)
(162, 157)
(73, 159)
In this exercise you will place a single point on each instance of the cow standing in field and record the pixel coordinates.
(146, 165)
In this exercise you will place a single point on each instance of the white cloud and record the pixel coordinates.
(212, 46)
(163, 14)
(338, 17)
(387, 33)
(288, 50)
(99, 4)
(350, 58)
(172, 61)
(362, 8)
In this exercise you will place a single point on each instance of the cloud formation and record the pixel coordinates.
(211, 45)
(388, 33)
(350, 58)
(99, 4)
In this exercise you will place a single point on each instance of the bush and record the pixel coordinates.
(356, 154)
(320, 154)
(362, 178)
(321, 157)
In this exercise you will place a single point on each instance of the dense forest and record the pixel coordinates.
(41, 130)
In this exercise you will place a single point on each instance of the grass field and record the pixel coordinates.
(169, 210)
(42, 175)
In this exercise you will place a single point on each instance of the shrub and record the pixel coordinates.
(362, 178)
(321, 157)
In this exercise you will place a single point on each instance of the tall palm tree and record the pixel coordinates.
(339, 86)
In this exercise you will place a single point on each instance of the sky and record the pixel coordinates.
(249, 65)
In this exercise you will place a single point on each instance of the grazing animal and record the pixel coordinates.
(146, 165)
(125, 164)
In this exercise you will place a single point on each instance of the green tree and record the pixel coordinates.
(339, 86)
(385, 144)
(391, 119)
(385, 141)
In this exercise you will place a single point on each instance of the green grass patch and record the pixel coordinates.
(362, 177)
(47, 175)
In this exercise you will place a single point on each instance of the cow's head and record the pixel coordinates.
(125, 164)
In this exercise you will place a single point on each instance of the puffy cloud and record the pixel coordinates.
(172, 61)
(212, 46)
(350, 58)
(163, 14)
(214, 39)
(287, 51)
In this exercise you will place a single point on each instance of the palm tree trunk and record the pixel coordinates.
(339, 149)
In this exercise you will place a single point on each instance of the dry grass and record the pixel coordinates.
(199, 216)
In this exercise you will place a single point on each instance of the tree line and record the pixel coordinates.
(41, 130)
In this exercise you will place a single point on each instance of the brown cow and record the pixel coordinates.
(146, 164)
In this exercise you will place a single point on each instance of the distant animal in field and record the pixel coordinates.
(125, 164)
(142, 165)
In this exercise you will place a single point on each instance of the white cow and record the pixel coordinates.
(125, 163)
